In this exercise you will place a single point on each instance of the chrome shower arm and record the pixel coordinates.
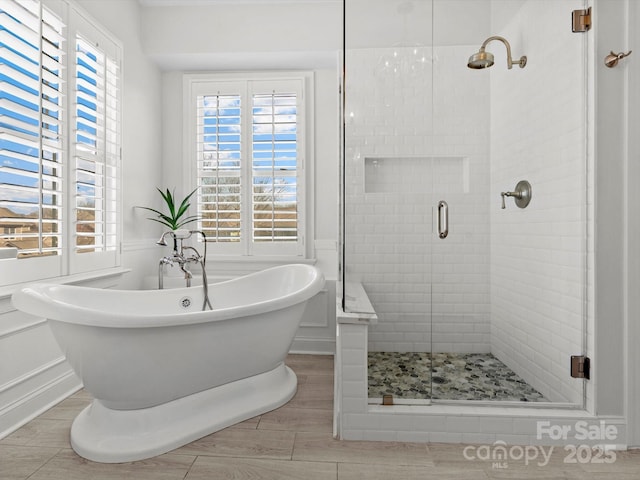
(523, 60)
(499, 38)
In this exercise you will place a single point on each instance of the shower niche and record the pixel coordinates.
(458, 320)
(401, 176)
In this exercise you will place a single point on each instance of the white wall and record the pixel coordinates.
(33, 372)
(141, 130)
(243, 36)
(227, 37)
(632, 100)
(615, 232)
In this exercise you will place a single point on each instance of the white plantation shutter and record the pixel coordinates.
(31, 130)
(59, 141)
(275, 167)
(95, 137)
(219, 159)
(249, 145)
(96, 147)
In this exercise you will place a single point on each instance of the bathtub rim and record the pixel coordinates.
(39, 299)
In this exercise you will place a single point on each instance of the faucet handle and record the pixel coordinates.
(522, 194)
(506, 194)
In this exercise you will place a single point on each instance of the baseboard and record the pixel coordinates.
(38, 401)
(313, 346)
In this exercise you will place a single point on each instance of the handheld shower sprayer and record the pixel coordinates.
(162, 242)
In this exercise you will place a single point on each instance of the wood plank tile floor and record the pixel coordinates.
(293, 442)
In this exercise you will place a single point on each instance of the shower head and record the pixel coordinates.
(480, 60)
(484, 59)
(161, 242)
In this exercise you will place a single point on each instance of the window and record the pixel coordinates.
(31, 139)
(96, 142)
(249, 161)
(59, 141)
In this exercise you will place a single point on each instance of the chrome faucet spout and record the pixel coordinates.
(163, 261)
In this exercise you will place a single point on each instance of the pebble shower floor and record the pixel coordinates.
(455, 376)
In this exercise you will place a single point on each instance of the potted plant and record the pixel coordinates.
(175, 219)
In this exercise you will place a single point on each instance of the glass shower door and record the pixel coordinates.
(388, 187)
(460, 153)
(509, 280)
(494, 309)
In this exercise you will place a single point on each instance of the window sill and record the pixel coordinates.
(100, 275)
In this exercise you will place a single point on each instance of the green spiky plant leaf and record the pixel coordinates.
(174, 219)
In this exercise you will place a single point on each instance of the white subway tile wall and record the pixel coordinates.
(538, 254)
(399, 164)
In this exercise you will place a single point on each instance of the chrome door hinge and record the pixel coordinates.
(580, 366)
(581, 20)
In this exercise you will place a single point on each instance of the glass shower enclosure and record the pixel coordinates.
(466, 197)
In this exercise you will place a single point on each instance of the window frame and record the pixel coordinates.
(68, 261)
(198, 84)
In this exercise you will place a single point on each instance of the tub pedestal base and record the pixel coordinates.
(105, 435)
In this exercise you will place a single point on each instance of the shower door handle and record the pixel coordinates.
(443, 219)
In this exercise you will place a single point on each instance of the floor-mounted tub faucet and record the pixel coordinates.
(180, 258)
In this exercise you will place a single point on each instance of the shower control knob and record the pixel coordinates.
(521, 194)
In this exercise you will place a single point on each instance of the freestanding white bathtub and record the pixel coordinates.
(164, 373)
